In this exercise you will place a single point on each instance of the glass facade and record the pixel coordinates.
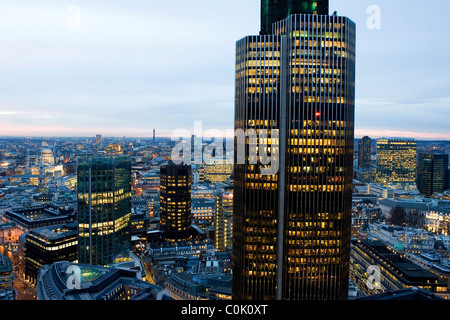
(223, 222)
(364, 152)
(275, 10)
(104, 209)
(432, 173)
(258, 98)
(291, 230)
(396, 163)
(175, 201)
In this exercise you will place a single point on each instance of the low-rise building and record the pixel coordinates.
(7, 291)
(47, 245)
(67, 281)
(208, 280)
(199, 286)
(394, 271)
(203, 209)
(380, 191)
(30, 218)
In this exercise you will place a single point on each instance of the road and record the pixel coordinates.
(25, 291)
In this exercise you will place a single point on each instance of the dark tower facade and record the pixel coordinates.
(276, 10)
(291, 229)
(364, 152)
(175, 201)
(104, 209)
(432, 173)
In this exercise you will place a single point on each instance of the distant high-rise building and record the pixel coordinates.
(219, 172)
(292, 229)
(364, 152)
(98, 139)
(104, 209)
(223, 221)
(175, 201)
(432, 173)
(396, 163)
(154, 137)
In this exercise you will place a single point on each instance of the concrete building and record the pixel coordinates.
(47, 245)
(203, 210)
(30, 218)
(68, 281)
(395, 272)
(188, 285)
(7, 291)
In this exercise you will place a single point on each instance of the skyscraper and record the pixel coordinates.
(396, 163)
(175, 201)
(98, 139)
(432, 173)
(276, 10)
(296, 81)
(104, 209)
(223, 220)
(364, 152)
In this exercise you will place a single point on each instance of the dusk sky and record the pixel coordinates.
(126, 67)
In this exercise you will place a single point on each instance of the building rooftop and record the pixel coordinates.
(97, 283)
(56, 232)
(200, 284)
(29, 217)
(411, 272)
(406, 204)
(409, 294)
(5, 265)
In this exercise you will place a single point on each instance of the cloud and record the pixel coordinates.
(138, 65)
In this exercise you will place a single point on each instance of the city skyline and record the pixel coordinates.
(224, 151)
(114, 74)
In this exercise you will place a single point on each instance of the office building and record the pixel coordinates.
(48, 245)
(95, 283)
(219, 172)
(30, 218)
(98, 139)
(114, 149)
(408, 294)
(432, 173)
(175, 201)
(104, 209)
(204, 284)
(7, 291)
(364, 152)
(396, 272)
(203, 210)
(223, 235)
(396, 163)
(296, 82)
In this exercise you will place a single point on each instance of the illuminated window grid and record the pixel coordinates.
(320, 112)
